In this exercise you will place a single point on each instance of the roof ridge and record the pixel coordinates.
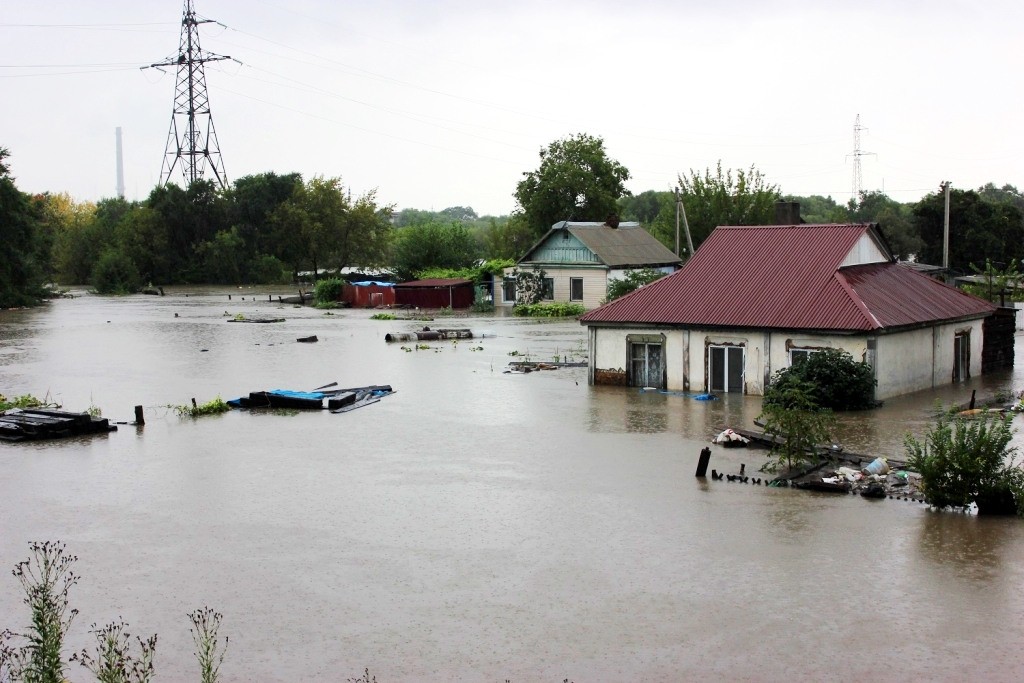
(856, 300)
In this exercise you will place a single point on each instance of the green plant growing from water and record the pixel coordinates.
(328, 292)
(206, 624)
(550, 309)
(213, 407)
(382, 316)
(967, 460)
(27, 401)
(798, 423)
(46, 578)
(365, 678)
(113, 661)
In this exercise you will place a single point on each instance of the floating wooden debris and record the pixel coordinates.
(308, 340)
(32, 424)
(255, 320)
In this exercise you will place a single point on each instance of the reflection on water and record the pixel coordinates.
(475, 525)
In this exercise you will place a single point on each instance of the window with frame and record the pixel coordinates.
(800, 355)
(548, 290)
(576, 289)
(508, 290)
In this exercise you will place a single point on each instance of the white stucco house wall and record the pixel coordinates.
(754, 299)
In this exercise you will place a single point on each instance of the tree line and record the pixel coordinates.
(269, 228)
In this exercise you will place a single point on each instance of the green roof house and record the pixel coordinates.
(579, 259)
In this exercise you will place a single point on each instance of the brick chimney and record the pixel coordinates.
(787, 213)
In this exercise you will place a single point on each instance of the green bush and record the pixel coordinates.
(115, 273)
(328, 291)
(633, 280)
(839, 382)
(967, 460)
(383, 316)
(549, 310)
(799, 423)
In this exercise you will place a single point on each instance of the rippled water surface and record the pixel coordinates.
(474, 526)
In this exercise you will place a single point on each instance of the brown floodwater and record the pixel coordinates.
(475, 526)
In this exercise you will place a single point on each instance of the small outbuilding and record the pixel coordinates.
(755, 299)
(369, 293)
(435, 293)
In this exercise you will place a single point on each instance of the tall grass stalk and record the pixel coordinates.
(113, 662)
(206, 624)
(46, 578)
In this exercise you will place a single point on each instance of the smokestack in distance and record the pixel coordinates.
(120, 164)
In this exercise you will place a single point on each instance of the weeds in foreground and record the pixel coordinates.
(46, 578)
(27, 401)
(114, 662)
(214, 407)
(206, 623)
(549, 310)
(964, 461)
(382, 316)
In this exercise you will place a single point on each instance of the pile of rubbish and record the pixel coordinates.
(29, 424)
(876, 480)
(731, 439)
(338, 400)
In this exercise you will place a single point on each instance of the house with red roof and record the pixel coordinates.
(755, 299)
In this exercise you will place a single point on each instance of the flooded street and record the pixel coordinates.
(475, 526)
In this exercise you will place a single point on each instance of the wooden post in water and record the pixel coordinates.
(140, 419)
(702, 463)
(194, 404)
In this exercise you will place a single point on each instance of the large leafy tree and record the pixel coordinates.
(719, 197)
(979, 230)
(576, 180)
(432, 245)
(251, 200)
(20, 272)
(320, 227)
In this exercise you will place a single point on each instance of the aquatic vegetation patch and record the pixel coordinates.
(214, 407)
(552, 309)
(27, 401)
(382, 316)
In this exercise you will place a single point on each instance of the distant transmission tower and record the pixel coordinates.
(858, 178)
(192, 140)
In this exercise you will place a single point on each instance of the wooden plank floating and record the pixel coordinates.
(34, 424)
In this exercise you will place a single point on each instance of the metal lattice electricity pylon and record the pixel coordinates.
(192, 140)
(858, 178)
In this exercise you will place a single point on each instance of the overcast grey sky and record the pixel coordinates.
(438, 104)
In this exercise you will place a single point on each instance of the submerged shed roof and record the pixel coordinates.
(790, 277)
(626, 246)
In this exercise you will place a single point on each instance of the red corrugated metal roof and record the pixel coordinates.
(435, 282)
(783, 277)
(898, 295)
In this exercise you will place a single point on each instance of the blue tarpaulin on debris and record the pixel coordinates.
(369, 283)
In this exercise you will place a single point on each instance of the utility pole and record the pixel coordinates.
(681, 211)
(677, 221)
(192, 143)
(945, 229)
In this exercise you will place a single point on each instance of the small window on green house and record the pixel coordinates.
(576, 289)
(548, 293)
